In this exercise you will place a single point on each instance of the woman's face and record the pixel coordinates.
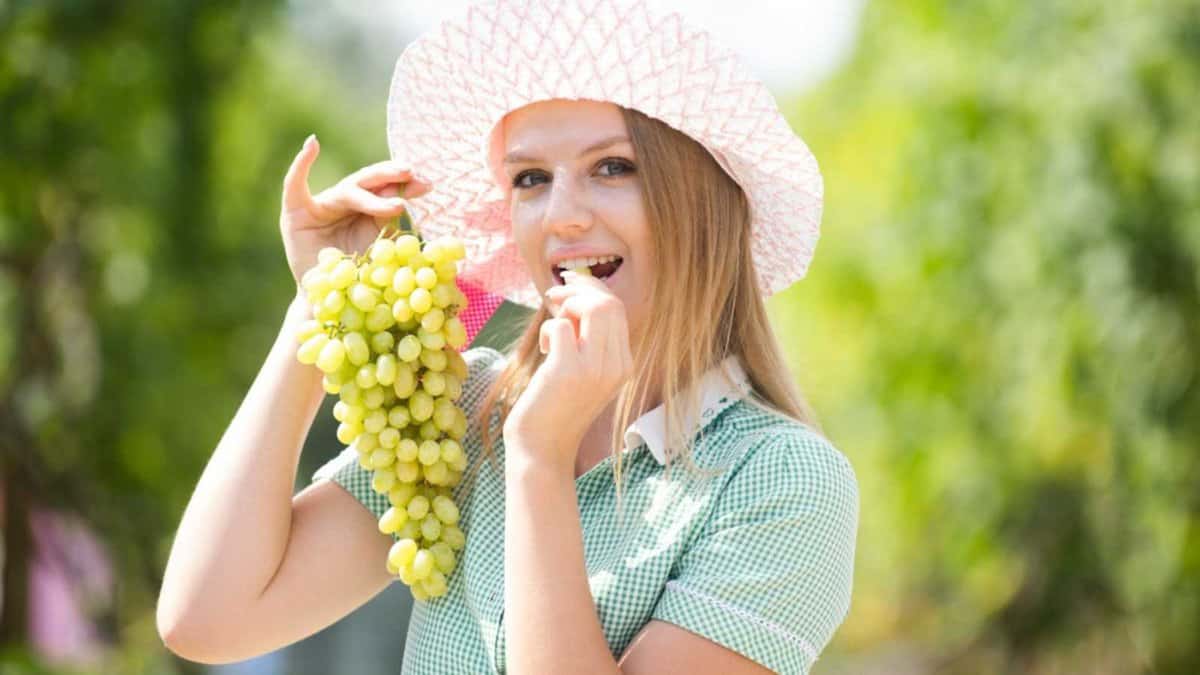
(570, 167)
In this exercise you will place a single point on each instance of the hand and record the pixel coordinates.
(588, 361)
(348, 215)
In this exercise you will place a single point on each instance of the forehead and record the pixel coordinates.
(561, 124)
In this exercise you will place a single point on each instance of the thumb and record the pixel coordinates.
(558, 336)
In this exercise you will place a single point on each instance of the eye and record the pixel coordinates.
(519, 177)
(620, 163)
(622, 167)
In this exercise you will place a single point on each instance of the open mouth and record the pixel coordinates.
(602, 270)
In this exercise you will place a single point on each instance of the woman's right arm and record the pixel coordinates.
(253, 568)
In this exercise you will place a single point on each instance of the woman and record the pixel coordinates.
(597, 133)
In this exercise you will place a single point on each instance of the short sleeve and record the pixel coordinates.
(345, 470)
(769, 575)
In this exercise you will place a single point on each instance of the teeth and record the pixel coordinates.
(581, 262)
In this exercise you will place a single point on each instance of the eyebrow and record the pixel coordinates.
(516, 157)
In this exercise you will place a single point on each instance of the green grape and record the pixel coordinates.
(431, 527)
(331, 356)
(365, 377)
(350, 318)
(444, 414)
(373, 397)
(364, 297)
(408, 472)
(383, 343)
(433, 252)
(407, 450)
(434, 359)
(433, 586)
(442, 294)
(311, 349)
(407, 246)
(410, 530)
(443, 556)
(400, 494)
(383, 480)
(422, 563)
(426, 278)
(418, 506)
(346, 432)
(380, 318)
(409, 348)
(406, 381)
(389, 438)
(356, 348)
(404, 281)
(458, 465)
(385, 368)
(329, 256)
(453, 536)
(451, 450)
(433, 320)
(417, 588)
(420, 406)
(382, 457)
(375, 421)
(392, 519)
(456, 364)
(431, 340)
(343, 274)
(382, 275)
(333, 301)
(389, 396)
(366, 443)
(437, 473)
(428, 431)
(446, 270)
(383, 251)
(429, 452)
(401, 310)
(390, 296)
(351, 393)
(402, 552)
(446, 510)
(398, 417)
(455, 332)
(364, 272)
(453, 387)
(418, 261)
(308, 328)
(420, 300)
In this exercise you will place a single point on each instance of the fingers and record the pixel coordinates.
(295, 182)
(379, 174)
(557, 336)
(353, 198)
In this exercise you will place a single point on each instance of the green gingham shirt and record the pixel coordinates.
(759, 558)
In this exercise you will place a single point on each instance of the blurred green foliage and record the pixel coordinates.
(1001, 329)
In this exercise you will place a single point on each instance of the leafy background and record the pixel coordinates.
(1001, 328)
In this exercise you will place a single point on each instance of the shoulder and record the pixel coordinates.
(778, 454)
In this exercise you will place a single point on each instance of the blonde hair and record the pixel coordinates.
(700, 222)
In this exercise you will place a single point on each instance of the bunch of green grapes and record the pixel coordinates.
(386, 335)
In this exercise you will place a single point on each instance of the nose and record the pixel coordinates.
(567, 209)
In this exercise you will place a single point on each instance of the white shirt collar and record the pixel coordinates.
(716, 394)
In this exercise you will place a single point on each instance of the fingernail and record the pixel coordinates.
(308, 141)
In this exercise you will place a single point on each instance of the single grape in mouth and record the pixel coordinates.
(600, 270)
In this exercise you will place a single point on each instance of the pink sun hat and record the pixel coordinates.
(452, 86)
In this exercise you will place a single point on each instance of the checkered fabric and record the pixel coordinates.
(756, 553)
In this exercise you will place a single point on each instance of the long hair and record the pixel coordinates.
(700, 221)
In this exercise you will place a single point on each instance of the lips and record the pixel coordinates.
(619, 264)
